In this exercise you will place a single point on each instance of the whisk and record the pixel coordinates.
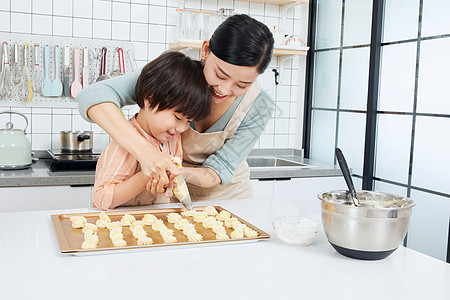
(36, 77)
(25, 91)
(6, 85)
(16, 74)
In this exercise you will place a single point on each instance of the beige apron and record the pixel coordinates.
(198, 146)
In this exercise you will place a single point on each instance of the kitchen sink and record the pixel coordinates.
(270, 162)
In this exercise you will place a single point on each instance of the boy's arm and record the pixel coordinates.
(202, 177)
(128, 189)
(116, 180)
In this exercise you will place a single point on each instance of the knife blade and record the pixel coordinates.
(85, 71)
(182, 193)
(66, 71)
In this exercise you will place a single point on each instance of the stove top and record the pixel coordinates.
(68, 161)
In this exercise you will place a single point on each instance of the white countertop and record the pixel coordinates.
(33, 268)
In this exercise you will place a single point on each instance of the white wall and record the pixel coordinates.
(150, 27)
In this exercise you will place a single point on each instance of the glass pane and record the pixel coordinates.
(400, 20)
(357, 182)
(328, 33)
(398, 73)
(351, 137)
(326, 71)
(323, 136)
(357, 22)
(431, 163)
(390, 188)
(434, 86)
(428, 228)
(392, 163)
(435, 20)
(355, 75)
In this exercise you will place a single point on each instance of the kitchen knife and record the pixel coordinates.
(85, 71)
(66, 71)
(182, 193)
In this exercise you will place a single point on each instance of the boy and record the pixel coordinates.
(171, 92)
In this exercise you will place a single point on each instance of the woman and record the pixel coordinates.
(239, 50)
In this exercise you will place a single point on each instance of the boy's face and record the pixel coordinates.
(162, 125)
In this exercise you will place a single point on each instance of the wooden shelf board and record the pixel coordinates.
(195, 45)
(279, 2)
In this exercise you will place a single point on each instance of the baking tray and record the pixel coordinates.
(70, 239)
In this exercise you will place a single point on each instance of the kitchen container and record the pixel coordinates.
(370, 232)
(71, 239)
(15, 148)
(295, 230)
(76, 141)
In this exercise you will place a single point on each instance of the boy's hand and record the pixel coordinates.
(159, 187)
(157, 166)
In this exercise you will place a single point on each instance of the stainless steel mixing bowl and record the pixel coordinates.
(372, 231)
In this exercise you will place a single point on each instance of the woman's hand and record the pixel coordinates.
(155, 165)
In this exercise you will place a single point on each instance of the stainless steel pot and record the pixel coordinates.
(76, 141)
(372, 231)
(15, 148)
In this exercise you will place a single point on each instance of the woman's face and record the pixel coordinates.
(226, 81)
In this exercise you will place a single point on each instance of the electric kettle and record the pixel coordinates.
(15, 148)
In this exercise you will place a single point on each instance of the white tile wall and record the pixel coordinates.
(150, 26)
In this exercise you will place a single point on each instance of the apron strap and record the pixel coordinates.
(242, 109)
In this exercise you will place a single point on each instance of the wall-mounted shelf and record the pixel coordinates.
(279, 50)
(279, 2)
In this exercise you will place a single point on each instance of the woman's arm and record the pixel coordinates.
(153, 162)
(100, 103)
(202, 177)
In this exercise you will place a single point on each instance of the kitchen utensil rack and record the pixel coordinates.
(65, 102)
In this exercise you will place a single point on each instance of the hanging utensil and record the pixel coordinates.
(103, 66)
(76, 87)
(36, 78)
(132, 60)
(66, 71)
(16, 74)
(116, 70)
(347, 176)
(6, 85)
(25, 90)
(51, 88)
(85, 72)
(97, 57)
(121, 61)
(47, 83)
(57, 87)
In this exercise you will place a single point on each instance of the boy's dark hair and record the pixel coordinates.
(243, 41)
(175, 81)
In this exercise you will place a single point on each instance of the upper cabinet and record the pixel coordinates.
(193, 42)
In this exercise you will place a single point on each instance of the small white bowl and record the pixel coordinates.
(295, 230)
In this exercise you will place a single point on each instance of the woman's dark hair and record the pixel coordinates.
(243, 41)
(174, 80)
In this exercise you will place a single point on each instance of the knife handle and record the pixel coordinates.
(85, 56)
(46, 62)
(76, 62)
(66, 56)
(56, 62)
